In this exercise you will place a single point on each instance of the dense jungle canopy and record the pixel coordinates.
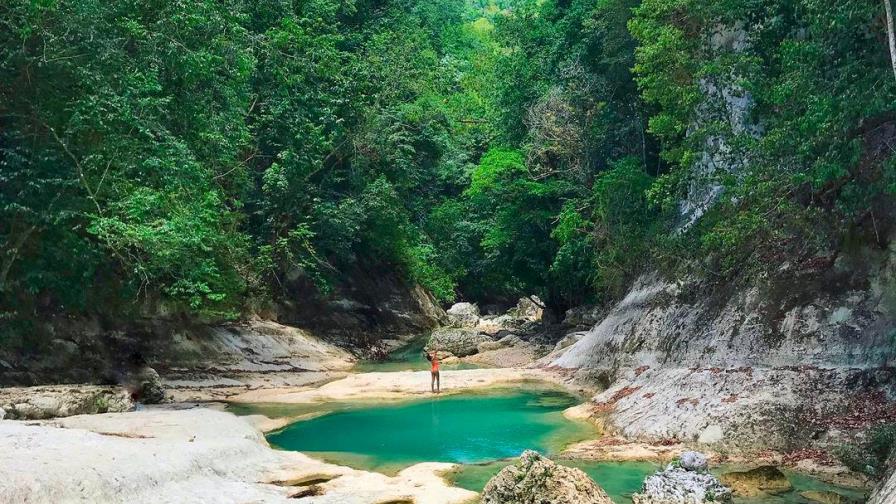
(199, 152)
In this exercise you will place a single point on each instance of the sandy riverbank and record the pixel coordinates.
(397, 385)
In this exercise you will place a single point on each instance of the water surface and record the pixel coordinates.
(483, 432)
(621, 479)
(462, 429)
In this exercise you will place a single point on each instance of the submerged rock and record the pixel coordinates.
(458, 341)
(538, 480)
(685, 482)
(463, 314)
(762, 480)
(824, 497)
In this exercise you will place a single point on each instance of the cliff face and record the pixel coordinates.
(372, 302)
(797, 358)
(801, 356)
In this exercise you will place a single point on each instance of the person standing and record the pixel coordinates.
(433, 359)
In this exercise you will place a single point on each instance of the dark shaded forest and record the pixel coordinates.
(198, 153)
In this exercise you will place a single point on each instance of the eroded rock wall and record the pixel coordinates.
(798, 358)
(885, 492)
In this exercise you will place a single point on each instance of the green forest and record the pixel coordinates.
(198, 152)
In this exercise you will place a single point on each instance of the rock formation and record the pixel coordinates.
(758, 481)
(463, 315)
(775, 363)
(51, 401)
(538, 480)
(460, 342)
(824, 497)
(885, 492)
(684, 482)
(693, 461)
(146, 386)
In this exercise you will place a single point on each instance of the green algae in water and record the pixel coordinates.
(462, 429)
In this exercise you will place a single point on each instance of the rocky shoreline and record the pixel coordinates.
(163, 454)
(639, 414)
(218, 450)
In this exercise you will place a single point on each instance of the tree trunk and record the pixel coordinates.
(891, 37)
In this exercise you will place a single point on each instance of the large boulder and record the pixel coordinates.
(528, 308)
(684, 482)
(758, 481)
(146, 386)
(538, 480)
(456, 340)
(463, 314)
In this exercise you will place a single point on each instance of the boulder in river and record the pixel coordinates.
(538, 480)
(684, 482)
(463, 314)
(758, 481)
(693, 461)
(458, 341)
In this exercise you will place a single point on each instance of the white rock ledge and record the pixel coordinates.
(176, 456)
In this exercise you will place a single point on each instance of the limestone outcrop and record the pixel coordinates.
(885, 491)
(463, 315)
(538, 480)
(146, 386)
(683, 482)
(51, 401)
(187, 455)
(758, 481)
(799, 359)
